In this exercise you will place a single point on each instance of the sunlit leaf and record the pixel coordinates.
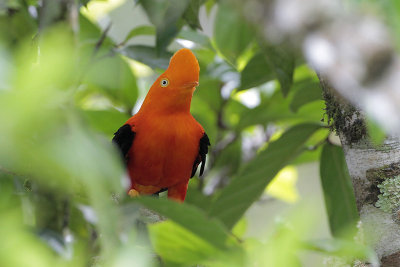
(375, 132)
(314, 147)
(305, 92)
(190, 218)
(209, 5)
(283, 186)
(176, 244)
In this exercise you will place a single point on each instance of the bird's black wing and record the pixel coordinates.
(201, 157)
(123, 139)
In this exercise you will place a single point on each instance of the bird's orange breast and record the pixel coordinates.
(164, 150)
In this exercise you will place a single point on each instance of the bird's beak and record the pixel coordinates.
(191, 85)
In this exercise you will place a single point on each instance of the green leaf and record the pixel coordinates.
(174, 243)
(196, 37)
(89, 36)
(256, 72)
(147, 55)
(231, 32)
(205, 116)
(251, 181)
(305, 92)
(190, 218)
(209, 92)
(230, 158)
(113, 76)
(105, 121)
(196, 198)
(191, 14)
(15, 28)
(141, 30)
(338, 191)
(282, 62)
(276, 108)
(209, 5)
(84, 2)
(234, 110)
(342, 248)
(375, 132)
(315, 145)
(13, 4)
(88, 30)
(165, 15)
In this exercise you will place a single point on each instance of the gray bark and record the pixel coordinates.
(369, 165)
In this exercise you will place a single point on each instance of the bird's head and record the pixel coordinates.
(182, 73)
(174, 88)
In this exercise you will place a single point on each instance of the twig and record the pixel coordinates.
(4, 170)
(101, 40)
(323, 141)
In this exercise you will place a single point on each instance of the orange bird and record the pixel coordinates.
(163, 144)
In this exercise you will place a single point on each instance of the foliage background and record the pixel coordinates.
(72, 72)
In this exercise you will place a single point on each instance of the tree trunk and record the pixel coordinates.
(369, 166)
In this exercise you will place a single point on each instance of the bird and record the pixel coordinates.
(162, 145)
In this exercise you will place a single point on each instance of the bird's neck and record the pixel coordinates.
(167, 103)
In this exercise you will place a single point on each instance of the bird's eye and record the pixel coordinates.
(164, 82)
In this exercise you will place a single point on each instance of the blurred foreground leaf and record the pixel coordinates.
(17, 237)
(190, 218)
(349, 250)
(174, 243)
(285, 238)
(46, 138)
